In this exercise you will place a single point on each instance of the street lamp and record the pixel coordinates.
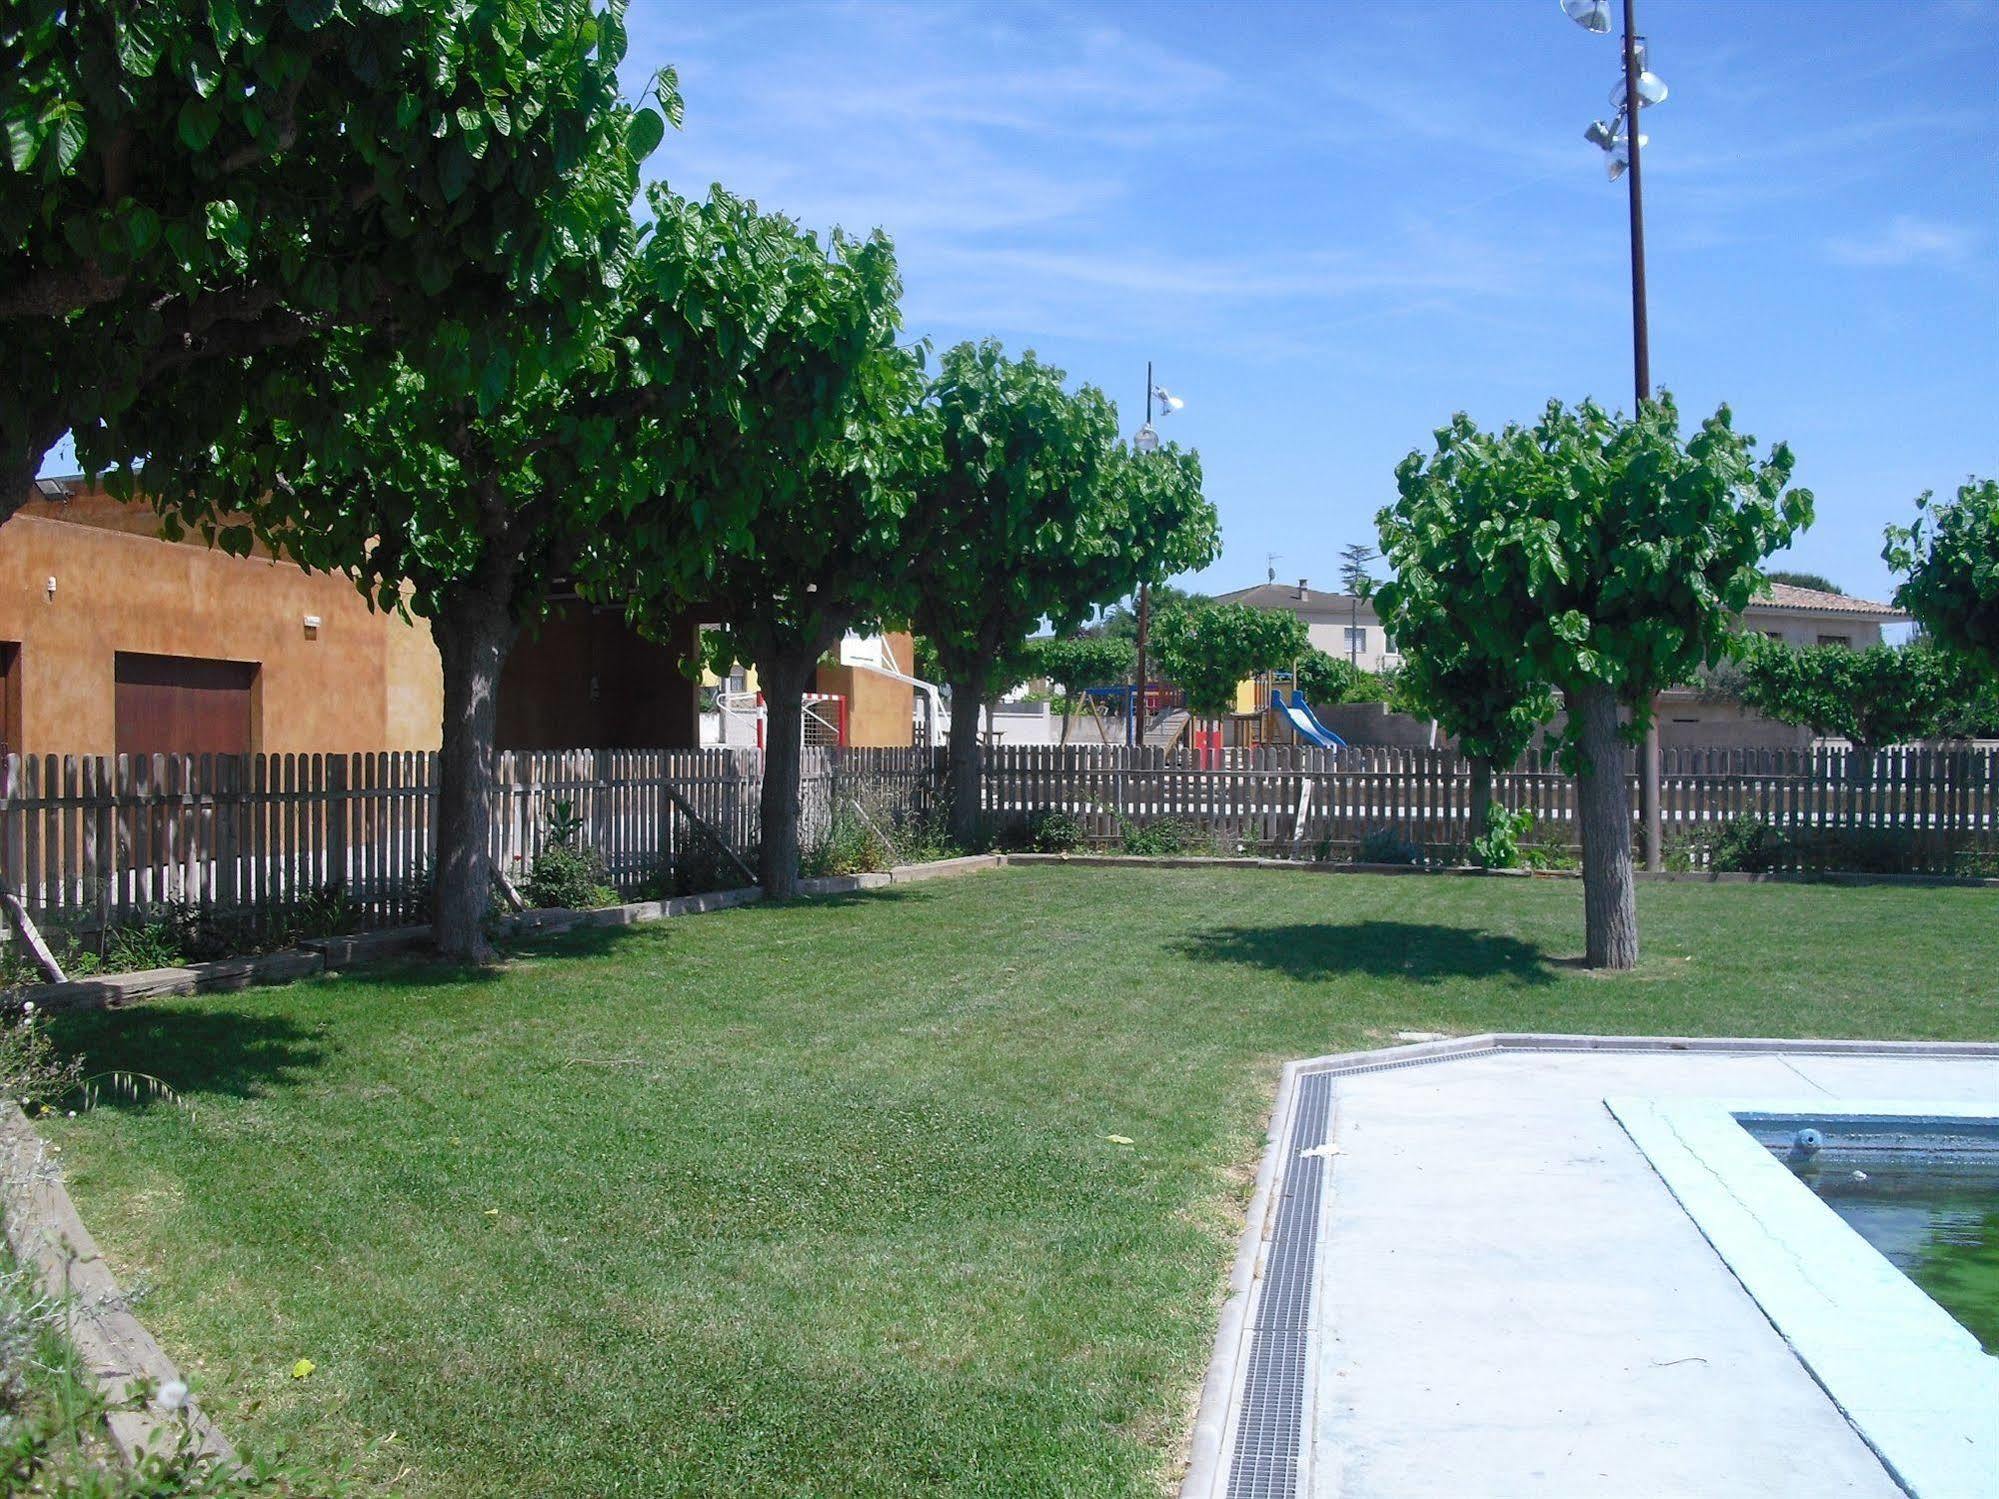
(1621, 141)
(1146, 440)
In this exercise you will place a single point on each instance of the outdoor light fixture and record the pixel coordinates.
(1650, 90)
(1591, 15)
(52, 489)
(1146, 439)
(1603, 132)
(1168, 402)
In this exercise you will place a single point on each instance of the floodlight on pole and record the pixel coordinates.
(1168, 402)
(1591, 15)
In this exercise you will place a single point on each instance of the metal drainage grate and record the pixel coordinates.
(1270, 1427)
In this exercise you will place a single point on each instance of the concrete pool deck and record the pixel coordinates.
(1506, 1299)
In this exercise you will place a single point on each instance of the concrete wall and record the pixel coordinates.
(365, 681)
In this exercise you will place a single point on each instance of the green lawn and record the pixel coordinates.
(818, 1199)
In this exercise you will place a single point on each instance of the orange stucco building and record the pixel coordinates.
(114, 640)
(98, 611)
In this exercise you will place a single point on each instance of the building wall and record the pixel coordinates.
(1796, 628)
(879, 709)
(365, 681)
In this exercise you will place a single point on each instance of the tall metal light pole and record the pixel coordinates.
(1146, 440)
(1640, 89)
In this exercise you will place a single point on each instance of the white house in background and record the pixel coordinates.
(1343, 626)
(1338, 623)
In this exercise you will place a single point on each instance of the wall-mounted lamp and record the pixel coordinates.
(50, 588)
(312, 627)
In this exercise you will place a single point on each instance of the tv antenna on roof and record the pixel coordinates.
(1270, 561)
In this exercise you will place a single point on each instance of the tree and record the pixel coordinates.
(1950, 555)
(1485, 695)
(1879, 696)
(1028, 514)
(1211, 650)
(826, 557)
(1356, 580)
(1121, 619)
(1817, 581)
(706, 373)
(1328, 679)
(188, 187)
(1077, 662)
(1609, 557)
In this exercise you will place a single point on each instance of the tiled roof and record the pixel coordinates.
(1814, 601)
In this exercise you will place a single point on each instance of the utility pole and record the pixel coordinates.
(1144, 608)
(1641, 373)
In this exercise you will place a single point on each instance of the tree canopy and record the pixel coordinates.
(1210, 649)
(1326, 679)
(1818, 581)
(1030, 513)
(824, 557)
(1950, 556)
(699, 389)
(185, 188)
(1605, 557)
(1076, 662)
(1878, 696)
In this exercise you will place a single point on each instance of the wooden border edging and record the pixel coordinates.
(1468, 871)
(114, 1347)
(332, 954)
(1207, 1459)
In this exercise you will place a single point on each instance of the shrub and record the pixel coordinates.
(849, 846)
(1746, 844)
(1056, 833)
(564, 876)
(1386, 846)
(1164, 836)
(1498, 847)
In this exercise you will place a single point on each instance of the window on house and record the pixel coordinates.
(1845, 640)
(183, 705)
(1356, 637)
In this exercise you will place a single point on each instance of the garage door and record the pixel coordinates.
(183, 705)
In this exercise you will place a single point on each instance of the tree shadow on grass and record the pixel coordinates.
(207, 1050)
(1422, 952)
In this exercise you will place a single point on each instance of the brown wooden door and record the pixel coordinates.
(183, 705)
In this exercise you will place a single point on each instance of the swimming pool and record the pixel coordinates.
(1857, 1280)
(1927, 1199)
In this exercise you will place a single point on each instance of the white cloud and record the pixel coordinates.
(1906, 240)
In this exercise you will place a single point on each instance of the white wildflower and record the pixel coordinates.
(172, 1395)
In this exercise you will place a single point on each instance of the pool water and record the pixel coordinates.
(1935, 1221)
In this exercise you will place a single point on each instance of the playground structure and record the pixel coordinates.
(1304, 722)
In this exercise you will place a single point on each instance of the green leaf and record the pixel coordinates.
(138, 45)
(644, 132)
(142, 229)
(454, 171)
(197, 123)
(310, 15)
(71, 136)
(226, 22)
(22, 142)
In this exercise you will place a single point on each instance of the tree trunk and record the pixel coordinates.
(1610, 908)
(962, 765)
(783, 681)
(474, 631)
(1481, 794)
(21, 459)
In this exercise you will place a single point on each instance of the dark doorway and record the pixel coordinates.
(184, 705)
(10, 695)
(586, 679)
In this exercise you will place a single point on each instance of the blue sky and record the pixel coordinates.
(1333, 225)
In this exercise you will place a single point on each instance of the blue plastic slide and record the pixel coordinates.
(1305, 721)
